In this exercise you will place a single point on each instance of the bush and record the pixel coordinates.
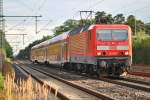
(141, 50)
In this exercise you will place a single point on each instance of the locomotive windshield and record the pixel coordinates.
(112, 34)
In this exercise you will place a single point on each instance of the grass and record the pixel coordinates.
(25, 89)
(1, 82)
(2, 93)
(141, 49)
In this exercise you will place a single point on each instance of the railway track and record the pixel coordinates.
(139, 85)
(128, 82)
(136, 81)
(111, 89)
(92, 94)
(140, 74)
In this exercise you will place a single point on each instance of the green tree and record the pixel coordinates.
(135, 24)
(9, 50)
(5, 45)
(100, 17)
(147, 28)
(139, 26)
(119, 19)
(103, 18)
(131, 22)
(110, 19)
(67, 25)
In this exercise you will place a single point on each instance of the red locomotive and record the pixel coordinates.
(99, 49)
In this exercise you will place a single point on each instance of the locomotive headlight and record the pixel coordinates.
(99, 53)
(126, 53)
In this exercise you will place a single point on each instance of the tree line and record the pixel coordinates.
(5, 45)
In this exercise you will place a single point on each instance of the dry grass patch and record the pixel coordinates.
(25, 90)
(22, 89)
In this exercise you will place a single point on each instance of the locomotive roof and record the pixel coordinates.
(52, 40)
(79, 29)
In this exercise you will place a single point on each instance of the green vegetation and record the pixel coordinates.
(141, 40)
(2, 92)
(1, 82)
(5, 52)
(141, 49)
(5, 45)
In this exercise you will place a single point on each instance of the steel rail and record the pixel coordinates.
(136, 81)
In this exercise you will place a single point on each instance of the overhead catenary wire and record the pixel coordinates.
(42, 5)
(25, 5)
(90, 7)
(76, 12)
(18, 24)
(94, 5)
(127, 5)
(137, 10)
(45, 25)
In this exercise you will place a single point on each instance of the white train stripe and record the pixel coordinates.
(109, 47)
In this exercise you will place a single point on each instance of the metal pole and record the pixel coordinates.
(23, 39)
(1, 33)
(89, 15)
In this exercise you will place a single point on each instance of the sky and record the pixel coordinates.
(55, 12)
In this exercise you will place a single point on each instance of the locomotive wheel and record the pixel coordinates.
(74, 67)
(69, 67)
(128, 69)
(46, 63)
(91, 69)
(98, 73)
(84, 68)
(78, 68)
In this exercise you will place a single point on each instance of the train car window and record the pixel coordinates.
(112, 34)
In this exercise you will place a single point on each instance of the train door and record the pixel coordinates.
(45, 55)
(63, 52)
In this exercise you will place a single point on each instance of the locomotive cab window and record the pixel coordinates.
(112, 34)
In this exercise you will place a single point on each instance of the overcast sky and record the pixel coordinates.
(55, 12)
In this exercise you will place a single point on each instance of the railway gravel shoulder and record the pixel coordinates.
(129, 83)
